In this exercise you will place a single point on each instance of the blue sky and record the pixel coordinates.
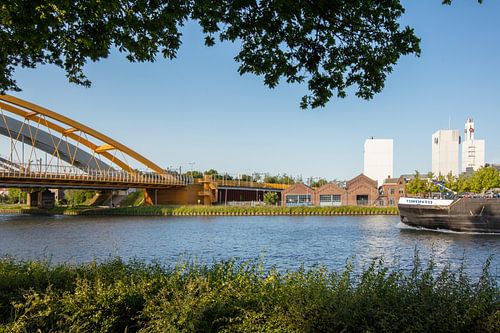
(197, 108)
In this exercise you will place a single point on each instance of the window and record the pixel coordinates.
(391, 201)
(362, 199)
(391, 191)
(325, 198)
(330, 200)
(304, 198)
(298, 199)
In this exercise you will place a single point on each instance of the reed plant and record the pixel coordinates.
(232, 296)
(241, 210)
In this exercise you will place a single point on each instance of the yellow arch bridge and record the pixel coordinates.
(49, 150)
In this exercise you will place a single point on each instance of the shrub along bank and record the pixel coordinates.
(240, 210)
(242, 297)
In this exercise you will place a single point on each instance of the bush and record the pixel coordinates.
(271, 198)
(241, 297)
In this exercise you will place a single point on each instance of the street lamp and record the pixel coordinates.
(191, 165)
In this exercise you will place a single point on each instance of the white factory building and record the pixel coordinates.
(378, 159)
(445, 145)
(472, 149)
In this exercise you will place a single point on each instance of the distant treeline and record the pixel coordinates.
(259, 177)
(484, 179)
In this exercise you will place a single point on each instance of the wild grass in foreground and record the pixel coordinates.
(242, 297)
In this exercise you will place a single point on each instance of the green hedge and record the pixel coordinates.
(242, 210)
(231, 297)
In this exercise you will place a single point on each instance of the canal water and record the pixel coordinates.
(282, 241)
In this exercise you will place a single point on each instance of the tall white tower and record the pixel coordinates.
(445, 152)
(472, 150)
(378, 159)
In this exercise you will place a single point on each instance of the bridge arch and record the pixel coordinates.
(100, 145)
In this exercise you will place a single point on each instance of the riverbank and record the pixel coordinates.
(38, 211)
(241, 297)
(209, 211)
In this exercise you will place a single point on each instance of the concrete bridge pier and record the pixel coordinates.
(41, 199)
(187, 195)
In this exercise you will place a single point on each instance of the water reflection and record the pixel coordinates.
(284, 242)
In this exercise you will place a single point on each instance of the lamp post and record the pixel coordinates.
(191, 165)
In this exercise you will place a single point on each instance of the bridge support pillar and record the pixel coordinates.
(187, 195)
(41, 199)
(32, 198)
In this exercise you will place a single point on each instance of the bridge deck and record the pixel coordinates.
(27, 177)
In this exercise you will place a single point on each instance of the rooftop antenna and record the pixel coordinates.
(449, 122)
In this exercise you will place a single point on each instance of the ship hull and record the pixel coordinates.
(463, 214)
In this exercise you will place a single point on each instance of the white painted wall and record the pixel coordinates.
(472, 150)
(445, 145)
(378, 159)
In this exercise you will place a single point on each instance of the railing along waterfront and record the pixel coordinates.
(72, 173)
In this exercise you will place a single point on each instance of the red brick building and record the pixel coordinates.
(360, 190)
(392, 190)
(298, 195)
(330, 195)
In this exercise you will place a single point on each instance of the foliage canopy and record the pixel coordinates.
(15, 195)
(271, 198)
(484, 179)
(78, 197)
(331, 45)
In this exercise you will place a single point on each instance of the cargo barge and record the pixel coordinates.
(475, 214)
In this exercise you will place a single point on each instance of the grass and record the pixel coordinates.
(13, 206)
(242, 210)
(133, 199)
(138, 210)
(242, 297)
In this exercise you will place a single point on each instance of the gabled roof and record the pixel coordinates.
(362, 178)
(330, 186)
(297, 187)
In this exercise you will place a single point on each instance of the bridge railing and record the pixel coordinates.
(62, 172)
(241, 183)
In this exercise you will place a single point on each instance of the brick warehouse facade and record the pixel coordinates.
(392, 190)
(362, 191)
(298, 195)
(359, 191)
(330, 195)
